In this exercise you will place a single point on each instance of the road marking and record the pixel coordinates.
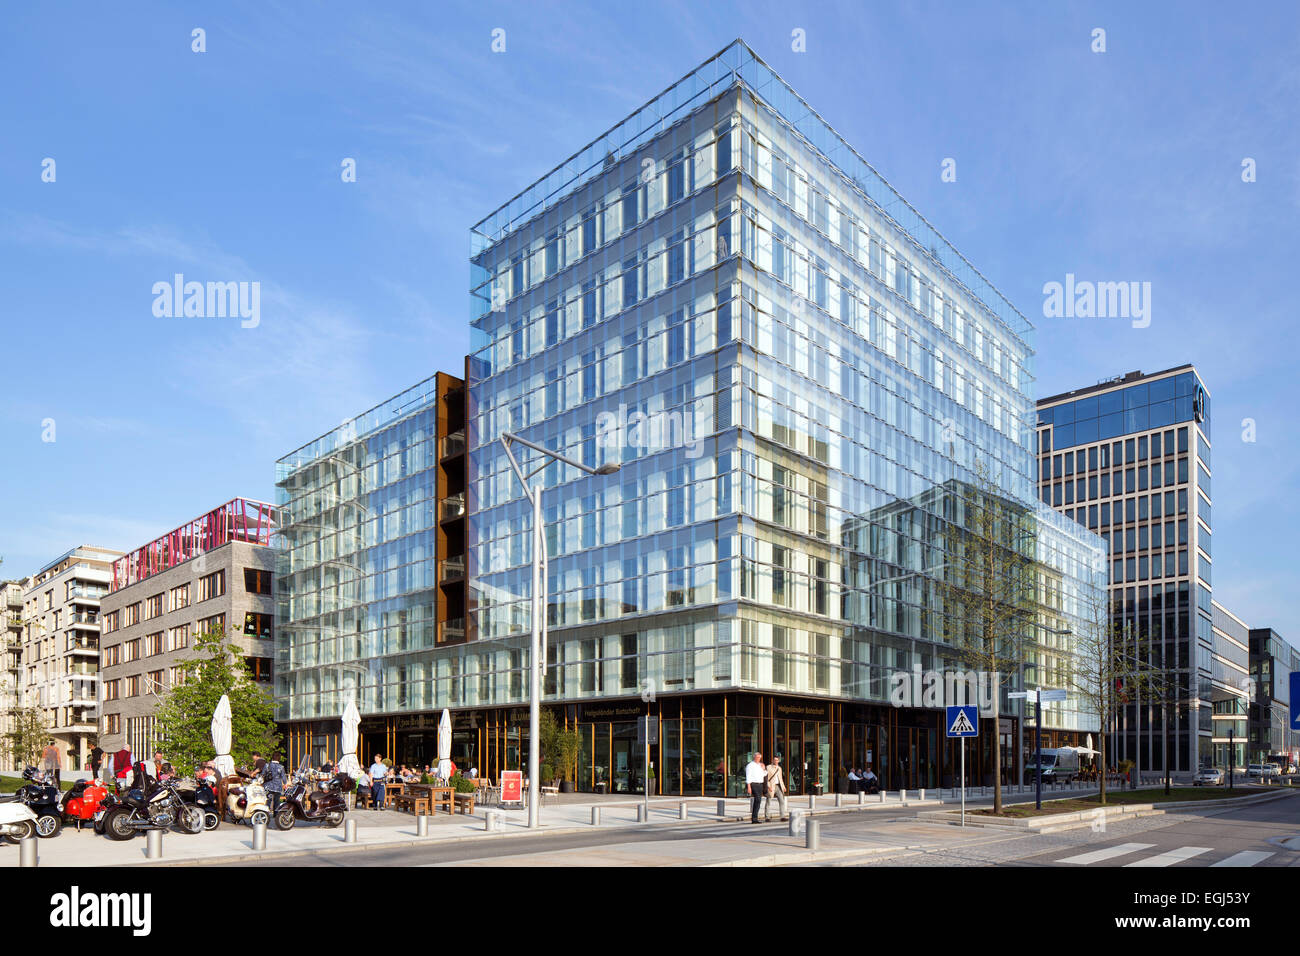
(1172, 856)
(1244, 858)
(1096, 856)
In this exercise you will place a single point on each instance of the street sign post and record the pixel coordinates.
(647, 734)
(1038, 696)
(963, 722)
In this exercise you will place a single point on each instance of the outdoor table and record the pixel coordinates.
(442, 795)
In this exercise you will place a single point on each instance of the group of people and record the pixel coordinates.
(765, 783)
(374, 780)
(863, 781)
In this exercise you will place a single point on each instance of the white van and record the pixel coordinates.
(1059, 766)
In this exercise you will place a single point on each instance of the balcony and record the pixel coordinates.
(453, 507)
(83, 646)
(85, 595)
(454, 629)
(453, 444)
(453, 568)
(85, 619)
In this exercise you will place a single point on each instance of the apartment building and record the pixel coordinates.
(60, 647)
(11, 662)
(216, 571)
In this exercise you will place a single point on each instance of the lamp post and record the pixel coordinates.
(537, 652)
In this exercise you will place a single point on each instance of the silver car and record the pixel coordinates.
(1208, 777)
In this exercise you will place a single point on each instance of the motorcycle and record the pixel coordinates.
(17, 821)
(42, 797)
(83, 801)
(246, 800)
(157, 806)
(204, 796)
(326, 805)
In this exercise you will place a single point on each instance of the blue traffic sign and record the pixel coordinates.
(1295, 700)
(963, 721)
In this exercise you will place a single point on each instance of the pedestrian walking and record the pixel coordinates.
(275, 778)
(775, 788)
(378, 776)
(755, 784)
(52, 762)
(96, 761)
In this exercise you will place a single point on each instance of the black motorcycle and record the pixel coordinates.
(204, 796)
(155, 806)
(42, 796)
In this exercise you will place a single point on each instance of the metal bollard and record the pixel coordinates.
(838, 800)
(491, 821)
(640, 813)
(153, 845)
(812, 801)
(902, 796)
(681, 810)
(27, 852)
(422, 826)
(595, 816)
(722, 808)
(797, 822)
(922, 794)
(861, 797)
(259, 836)
(882, 795)
(350, 830)
(813, 835)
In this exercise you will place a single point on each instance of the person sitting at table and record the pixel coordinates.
(870, 782)
(853, 780)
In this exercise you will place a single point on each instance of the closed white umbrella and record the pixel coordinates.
(444, 744)
(349, 763)
(224, 763)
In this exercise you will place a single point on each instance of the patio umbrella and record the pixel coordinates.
(349, 763)
(444, 745)
(224, 763)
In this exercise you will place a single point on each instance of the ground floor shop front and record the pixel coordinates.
(702, 743)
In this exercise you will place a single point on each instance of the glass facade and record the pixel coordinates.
(1145, 489)
(794, 372)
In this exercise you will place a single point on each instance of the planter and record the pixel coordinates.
(566, 786)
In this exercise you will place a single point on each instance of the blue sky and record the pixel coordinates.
(225, 165)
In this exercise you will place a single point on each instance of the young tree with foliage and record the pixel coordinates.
(985, 592)
(185, 715)
(30, 734)
(559, 747)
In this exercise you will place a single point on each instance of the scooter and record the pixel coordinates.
(326, 805)
(204, 797)
(83, 801)
(42, 797)
(17, 821)
(246, 800)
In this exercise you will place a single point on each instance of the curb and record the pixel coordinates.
(1076, 819)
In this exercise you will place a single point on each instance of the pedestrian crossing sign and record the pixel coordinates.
(963, 722)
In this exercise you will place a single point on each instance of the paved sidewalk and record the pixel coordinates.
(389, 828)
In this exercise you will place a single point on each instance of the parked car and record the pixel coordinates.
(1208, 777)
(1272, 770)
(1255, 770)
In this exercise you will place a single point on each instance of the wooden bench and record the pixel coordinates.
(443, 797)
(465, 802)
(413, 803)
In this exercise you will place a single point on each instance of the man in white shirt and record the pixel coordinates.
(378, 775)
(755, 784)
(853, 780)
(869, 782)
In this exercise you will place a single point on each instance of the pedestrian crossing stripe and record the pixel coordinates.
(961, 726)
(1171, 857)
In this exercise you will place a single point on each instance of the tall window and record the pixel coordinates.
(131, 614)
(178, 597)
(131, 650)
(212, 585)
(178, 637)
(153, 644)
(257, 581)
(153, 606)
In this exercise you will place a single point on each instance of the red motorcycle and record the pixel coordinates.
(83, 801)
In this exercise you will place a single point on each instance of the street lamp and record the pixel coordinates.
(537, 653)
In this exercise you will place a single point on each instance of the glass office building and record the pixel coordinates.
(1130, 459)
(792, 367)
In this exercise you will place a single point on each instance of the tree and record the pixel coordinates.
(559, 747)
(184, 717)
(31, 732)
(1099, 674)
(985, 591)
